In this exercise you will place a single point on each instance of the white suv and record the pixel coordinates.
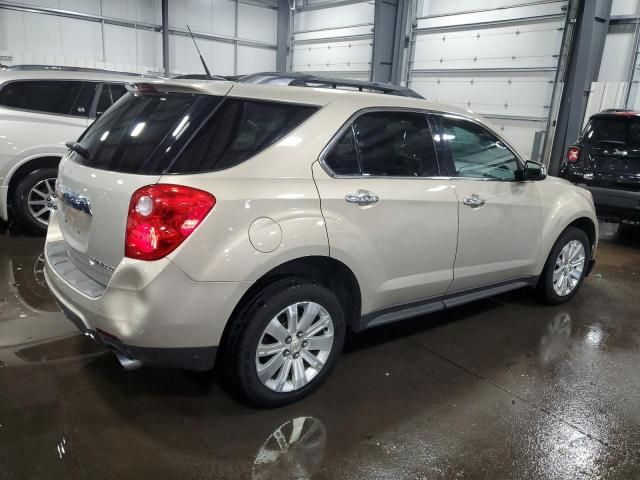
(41, 108)
(257, 223)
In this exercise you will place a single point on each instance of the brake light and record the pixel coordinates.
(573, 154)
(161, 217)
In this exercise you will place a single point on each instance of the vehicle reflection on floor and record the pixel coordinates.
(32, 329)
(502, 388)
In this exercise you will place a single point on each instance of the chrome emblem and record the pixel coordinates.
(74, 200)
(93, 261)
(620, 152)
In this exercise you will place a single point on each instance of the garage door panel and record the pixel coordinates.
(514, 94)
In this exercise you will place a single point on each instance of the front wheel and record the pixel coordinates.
(285, 342)
(566, 267)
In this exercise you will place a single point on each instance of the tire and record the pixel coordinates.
(24, 193)
(249, 330)
(546, 289)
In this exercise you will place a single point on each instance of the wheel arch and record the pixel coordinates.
(324, 270)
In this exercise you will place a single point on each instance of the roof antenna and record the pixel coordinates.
(206, 70)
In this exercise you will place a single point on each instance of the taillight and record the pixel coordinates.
(573, 154)
(161, 217)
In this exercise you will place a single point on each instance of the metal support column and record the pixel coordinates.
(284, 23)
(165, 37)
(592, 24)
(389, 38)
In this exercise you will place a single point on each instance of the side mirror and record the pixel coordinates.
(532, 171)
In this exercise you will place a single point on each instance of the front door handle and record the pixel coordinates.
(362, 198)
(473, 201)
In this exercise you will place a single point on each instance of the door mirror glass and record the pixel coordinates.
(532, 171)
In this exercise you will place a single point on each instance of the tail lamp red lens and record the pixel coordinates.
(573, 154)
(161, 217)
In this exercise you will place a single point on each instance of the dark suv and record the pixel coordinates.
(606, 160)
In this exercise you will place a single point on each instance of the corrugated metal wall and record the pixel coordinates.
(28, 37)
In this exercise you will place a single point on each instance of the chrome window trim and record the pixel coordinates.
(350, 121)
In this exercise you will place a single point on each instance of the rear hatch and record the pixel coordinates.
(611, 150)
(128, 147)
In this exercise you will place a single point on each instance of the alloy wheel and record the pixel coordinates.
(294, 347)
(41, 200)
(568, 268)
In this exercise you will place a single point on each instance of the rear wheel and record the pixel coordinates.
(34, 199)
(566, 267)
(285, 342)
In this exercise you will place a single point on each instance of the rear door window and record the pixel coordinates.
(238, 130)
(49, 96)
(389, 144)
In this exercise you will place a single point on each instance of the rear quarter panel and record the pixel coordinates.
(562, 204)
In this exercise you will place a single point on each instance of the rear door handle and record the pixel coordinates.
(362, 197)
(473, 201)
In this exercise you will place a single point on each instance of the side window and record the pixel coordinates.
(238, 130)
(109, 95)
(117, 90)
(477, 153)
(58, 97)
(82, 103)
(104, 101)
(395, 144)
(343, 158)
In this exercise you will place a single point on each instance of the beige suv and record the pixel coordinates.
(257, 223)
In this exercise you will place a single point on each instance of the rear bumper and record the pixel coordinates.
(150, 311)
(615, 205)
(189, 358)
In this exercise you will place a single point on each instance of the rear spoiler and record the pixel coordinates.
(165, 87)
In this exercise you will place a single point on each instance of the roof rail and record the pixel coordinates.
(298, 79)
(64, 68)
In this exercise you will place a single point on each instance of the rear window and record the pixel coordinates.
(49, 96)
(136, 126)
(237, 131)
(184, 133)
(624, 130)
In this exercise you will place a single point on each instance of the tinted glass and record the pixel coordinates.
(395, 144)
(59, 97)
(109, 95)
(125, 138)
(343, 159)
(104, 101)
(476, 152)
(84, 99)
(238, 130)
(622, 130)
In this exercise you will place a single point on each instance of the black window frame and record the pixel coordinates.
(90, 115)
(444, 149)
(350, 123)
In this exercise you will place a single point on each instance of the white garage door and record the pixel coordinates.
(499, 62)
(334, 40)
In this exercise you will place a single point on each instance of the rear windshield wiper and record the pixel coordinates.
(79, 149)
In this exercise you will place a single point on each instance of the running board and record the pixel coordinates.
(435, 304)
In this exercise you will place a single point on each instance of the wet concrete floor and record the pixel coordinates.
(503, 388)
